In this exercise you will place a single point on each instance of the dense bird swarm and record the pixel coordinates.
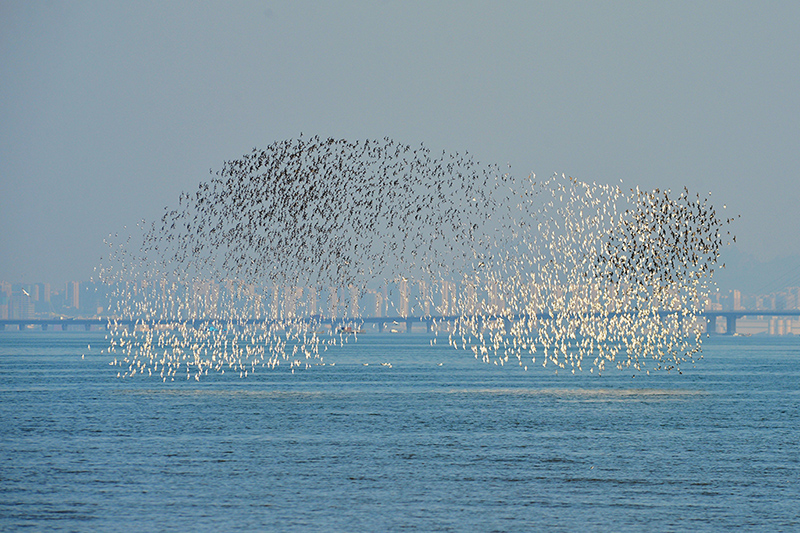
(566, 273)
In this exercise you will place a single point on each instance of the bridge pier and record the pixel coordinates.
(731, 325)
(409, 322)
(711, 325)
(507, 325)
(428, 325)
(381, 325)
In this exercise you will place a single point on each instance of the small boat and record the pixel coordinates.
(348, 329)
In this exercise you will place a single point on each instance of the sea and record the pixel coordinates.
(399, 434)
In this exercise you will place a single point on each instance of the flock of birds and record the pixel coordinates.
(559, 272)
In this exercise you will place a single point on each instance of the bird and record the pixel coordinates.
(559, 268)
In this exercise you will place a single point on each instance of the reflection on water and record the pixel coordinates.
(588, 394)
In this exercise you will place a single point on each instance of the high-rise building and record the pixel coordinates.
(22, 305)
(73, 299)
(312, 301)
(425, 298)
(403, 307)
(496, 303)
(445, 307)
(795, 292)
(471, 298)
(354, 307)
(5, 300)
(781, 301)
(378, 308)
(333, 301)
(736, 298)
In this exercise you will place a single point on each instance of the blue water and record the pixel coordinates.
(416, 447)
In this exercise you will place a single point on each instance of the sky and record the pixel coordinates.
(109, 110)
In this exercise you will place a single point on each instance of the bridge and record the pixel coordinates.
(731, 317)
(354, 323)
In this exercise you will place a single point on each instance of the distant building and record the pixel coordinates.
(311, 301)
(378, 309)
(73, 292)
(795, 297)
(354, 307)
(445, 307)
(731, 301)
(22, 304)
(5, 300)
(403, 307)
(493, 299)
(333, 302)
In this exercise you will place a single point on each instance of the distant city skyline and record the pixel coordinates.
(40, 304)
(87, 298)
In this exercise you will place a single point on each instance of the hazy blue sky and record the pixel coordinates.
(108, 110)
